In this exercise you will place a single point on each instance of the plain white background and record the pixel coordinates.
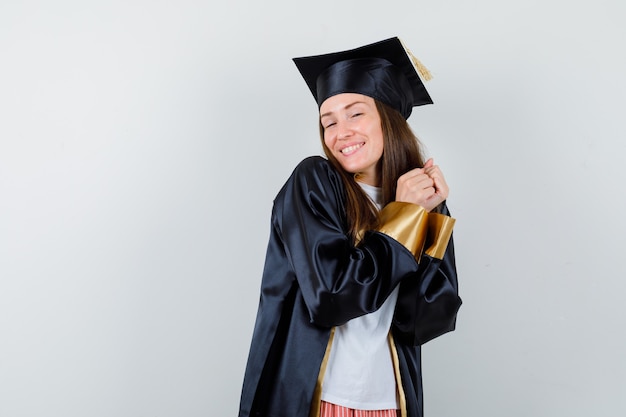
(142, 143)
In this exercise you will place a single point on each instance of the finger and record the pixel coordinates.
(438, 181)
(429, 163)
(436, 174)
(416, 172)
(420, 181)
(441, 187)
(432, 170)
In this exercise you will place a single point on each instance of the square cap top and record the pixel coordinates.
(384, 70)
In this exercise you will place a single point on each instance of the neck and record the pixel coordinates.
(366, 179)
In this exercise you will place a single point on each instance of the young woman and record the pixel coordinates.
(360, 269)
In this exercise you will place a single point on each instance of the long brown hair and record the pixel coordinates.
(401, 153)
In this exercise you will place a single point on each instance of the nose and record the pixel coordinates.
(343, 130)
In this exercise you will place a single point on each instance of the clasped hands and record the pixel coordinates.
(423, 186)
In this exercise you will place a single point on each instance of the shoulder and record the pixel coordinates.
(315, 172)
(314, 180)
(314, 165)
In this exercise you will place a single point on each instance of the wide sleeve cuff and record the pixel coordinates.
(439, 231)
(407, 223)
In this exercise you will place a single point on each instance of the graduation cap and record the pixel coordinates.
(385, 71)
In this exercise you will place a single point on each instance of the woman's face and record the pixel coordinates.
(353, 134)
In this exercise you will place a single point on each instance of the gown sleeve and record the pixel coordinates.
(427, 304)
(338, 280)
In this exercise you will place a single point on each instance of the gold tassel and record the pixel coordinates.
(421, 69)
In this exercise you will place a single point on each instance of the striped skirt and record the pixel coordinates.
(334, 410)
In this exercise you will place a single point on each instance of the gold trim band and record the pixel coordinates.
(396, 370)
(439, 232)
(316, 402)
(407, 223)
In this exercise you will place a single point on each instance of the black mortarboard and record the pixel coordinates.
(384, 70)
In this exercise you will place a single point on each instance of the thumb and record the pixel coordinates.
(429, 163)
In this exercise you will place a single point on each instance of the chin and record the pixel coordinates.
(351, 170)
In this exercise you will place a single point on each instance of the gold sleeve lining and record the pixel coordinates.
(317, 394)
(396, 370)
(439, 231)
(407, 223)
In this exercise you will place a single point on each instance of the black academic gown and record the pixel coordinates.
(315, 279)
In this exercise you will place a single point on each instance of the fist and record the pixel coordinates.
(424, 186)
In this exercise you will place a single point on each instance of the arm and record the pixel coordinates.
(340, 281)
(428, 302)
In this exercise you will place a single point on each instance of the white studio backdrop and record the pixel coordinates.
(142, 143)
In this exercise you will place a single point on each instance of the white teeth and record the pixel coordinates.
(351, 148)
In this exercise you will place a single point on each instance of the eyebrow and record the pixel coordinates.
(345, 108)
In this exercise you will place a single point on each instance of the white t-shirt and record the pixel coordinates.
(360, 373)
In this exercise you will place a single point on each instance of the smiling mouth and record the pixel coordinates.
(350, 149)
